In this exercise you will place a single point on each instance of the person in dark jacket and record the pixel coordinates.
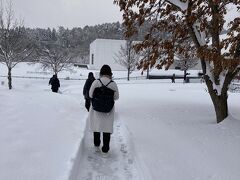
(86, 88)
(173, 78)
(54, 82)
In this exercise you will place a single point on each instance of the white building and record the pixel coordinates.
(102, 51)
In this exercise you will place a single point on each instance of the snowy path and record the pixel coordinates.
(119, 165)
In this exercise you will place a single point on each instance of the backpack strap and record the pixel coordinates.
(101, 82)
(109, 82)
(106, 84)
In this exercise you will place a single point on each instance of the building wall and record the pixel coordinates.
(102, 51)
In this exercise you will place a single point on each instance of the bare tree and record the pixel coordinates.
(145, 54)
(183, 60)
(55, 57)
(54, 52)
(15, 46)
(185, 64)
(127, 57)
(199, 20)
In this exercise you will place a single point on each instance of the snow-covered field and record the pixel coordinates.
(163, 131)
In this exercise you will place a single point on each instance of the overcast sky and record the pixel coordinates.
(67, 13)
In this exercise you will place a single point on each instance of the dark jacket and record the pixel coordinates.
(87, 86)
(54, 81)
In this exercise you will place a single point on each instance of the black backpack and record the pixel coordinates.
(103, 98)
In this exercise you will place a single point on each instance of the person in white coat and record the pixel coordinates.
(99, 121)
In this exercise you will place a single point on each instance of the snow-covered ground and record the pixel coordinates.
(163, 131)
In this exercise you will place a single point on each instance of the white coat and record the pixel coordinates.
(102, 122)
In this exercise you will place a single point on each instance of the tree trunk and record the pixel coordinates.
(55, 71)
(148, 73)
(221, 109)
(185, 76)
(219, 101)
(128, 75)
(220, 106)
(10, 78)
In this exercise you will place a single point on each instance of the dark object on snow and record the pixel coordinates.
(173, 78)
(86, 88)
(103, 98)
(54, 82)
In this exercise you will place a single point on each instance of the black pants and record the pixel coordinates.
(54, 89)
(106, 140)
(87, 103)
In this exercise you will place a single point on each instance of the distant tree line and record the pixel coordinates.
(79, 38)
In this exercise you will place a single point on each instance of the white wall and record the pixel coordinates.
(104, 51)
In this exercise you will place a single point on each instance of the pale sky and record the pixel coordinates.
(67, 13)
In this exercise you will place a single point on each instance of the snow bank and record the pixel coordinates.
(40, 133)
